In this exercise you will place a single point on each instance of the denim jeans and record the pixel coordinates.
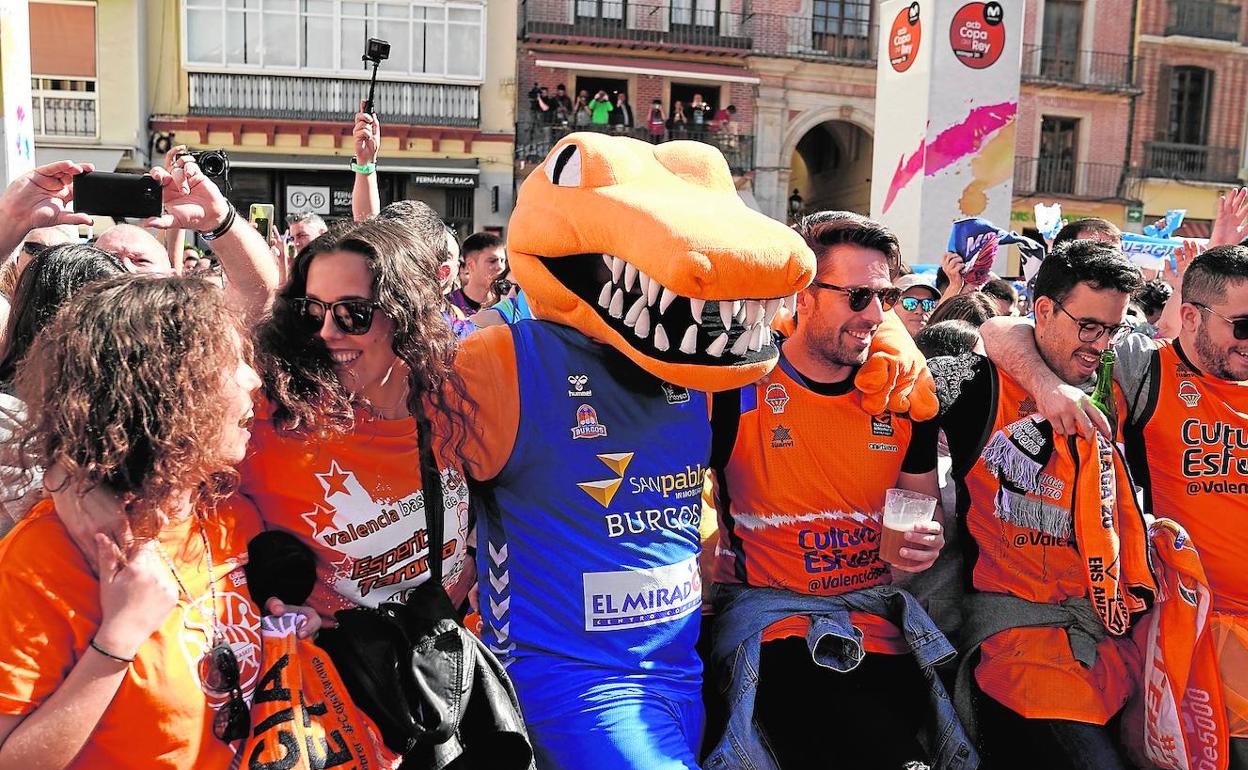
(1012, 742)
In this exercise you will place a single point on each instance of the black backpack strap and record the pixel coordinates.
(431, 484)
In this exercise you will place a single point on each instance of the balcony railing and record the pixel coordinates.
(848, 37)
(1063, 178)
(1096, 69)
(332, 99)
(1194, 162)
(1203, 18)
(534, 140)
(64, 109)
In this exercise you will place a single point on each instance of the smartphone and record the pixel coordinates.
(261, 216)
(117, 195)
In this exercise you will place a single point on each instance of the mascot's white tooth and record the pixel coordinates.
(717, 347)
(742, 344)
(754, 311)
(790, 303)
(652, 291)
(644, 281)
(689, 344)
(772, 307)
(617, 304)
(739, 311)
(607, 260)
(642, 329)
(666, 302)
(756, 338)
(726, 311)
(634, 311)
(604, 297)
(630, 275)
(695, 307)
(617, 269)
(660, 338)
(765, 340)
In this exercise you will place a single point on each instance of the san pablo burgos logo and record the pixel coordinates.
(579, 383)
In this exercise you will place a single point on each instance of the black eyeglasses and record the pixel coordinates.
(860, 296)
(912, 304)
(1091, 331)
(219, 671)
(351, 316)
(1239, 326)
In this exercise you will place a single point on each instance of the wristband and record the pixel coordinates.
(223, 228)
(108, 654)
(363, 168)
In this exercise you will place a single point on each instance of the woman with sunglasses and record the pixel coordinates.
(144, 655)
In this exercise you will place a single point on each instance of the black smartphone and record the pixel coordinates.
(117, 195)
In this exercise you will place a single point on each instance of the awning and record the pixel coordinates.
(659, 67)
(1194, 228)
(331, 163)
(104, 159)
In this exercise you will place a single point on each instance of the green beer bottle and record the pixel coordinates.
(1103, 395)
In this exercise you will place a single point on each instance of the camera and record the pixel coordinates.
(503, 286)
(214, 163)
(377, 50)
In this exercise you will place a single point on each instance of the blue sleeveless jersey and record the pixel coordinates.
(589, 561)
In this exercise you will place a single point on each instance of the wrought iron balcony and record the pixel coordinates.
(64, 109)
(1093, 69)
(1203, 18)
(1193, 162)
(849, 36)
(1059, 177)
(534, 140)
(332, 99)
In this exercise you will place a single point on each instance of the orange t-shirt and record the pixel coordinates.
(800, 495)
(1030, 670)
(357, 500)
(160, 717)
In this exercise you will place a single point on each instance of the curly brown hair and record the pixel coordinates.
(127, 387)
(298, 372)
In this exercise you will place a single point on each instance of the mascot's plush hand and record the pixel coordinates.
(895, 376)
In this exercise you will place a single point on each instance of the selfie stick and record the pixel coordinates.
(372, 84)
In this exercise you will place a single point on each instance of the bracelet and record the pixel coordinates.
(363, 168)
(108, 654)
(223, 228)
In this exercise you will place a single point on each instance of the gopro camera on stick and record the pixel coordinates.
(376, 52)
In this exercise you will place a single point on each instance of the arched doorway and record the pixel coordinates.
(831, 168)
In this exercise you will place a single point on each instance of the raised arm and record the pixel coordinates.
(1011, 344)
(193, 201)
(42, 197)
(365, 199)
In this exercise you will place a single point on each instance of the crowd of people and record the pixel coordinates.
(160, 407)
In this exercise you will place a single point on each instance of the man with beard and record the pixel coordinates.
(801, 471)
(1186, 436)
(1045, 637)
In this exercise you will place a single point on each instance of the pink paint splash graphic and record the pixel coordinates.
(950, 146)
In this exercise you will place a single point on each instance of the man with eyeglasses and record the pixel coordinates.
(800, 473)
(918, 299)
(1186, 436)
(1052, 668)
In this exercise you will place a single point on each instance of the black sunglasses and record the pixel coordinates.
(1091, 331)
(912, 304)
(1239, 326)
(351, 316)
(219, 671)
(860, 296)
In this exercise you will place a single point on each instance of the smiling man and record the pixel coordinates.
(1037, 519)
(1186, 405)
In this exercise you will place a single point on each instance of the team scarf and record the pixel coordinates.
(301, 715)
(1185, 724)
(1104, 517)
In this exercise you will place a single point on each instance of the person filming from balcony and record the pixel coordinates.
(679, 120)
(600, 109)
(581, 115)
(622, 116)
(656, 121)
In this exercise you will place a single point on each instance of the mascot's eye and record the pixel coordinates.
(565, 170)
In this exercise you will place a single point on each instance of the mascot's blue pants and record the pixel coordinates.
(621, 732)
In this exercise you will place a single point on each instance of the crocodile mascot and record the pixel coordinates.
(652, 284)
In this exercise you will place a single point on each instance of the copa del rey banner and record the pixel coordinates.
(945, 110)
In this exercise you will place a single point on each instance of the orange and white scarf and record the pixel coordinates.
(1184, 717)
